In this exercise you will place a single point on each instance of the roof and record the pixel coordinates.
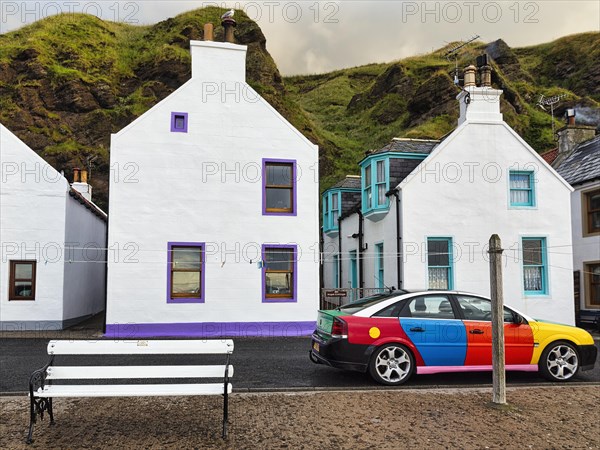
(583, 164)
(550, 155)
(405, 145)
(89, 205)
(350, 182)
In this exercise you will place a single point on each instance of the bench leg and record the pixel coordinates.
(225, 413)
(31, 420)
(50, 412)
(37, 406)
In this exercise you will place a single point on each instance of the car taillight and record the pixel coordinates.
(339, 328)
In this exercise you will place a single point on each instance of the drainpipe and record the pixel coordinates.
(340, 284)
(399, 265)
(361, 283)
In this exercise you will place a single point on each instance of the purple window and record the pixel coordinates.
(179, 122)
(279, 187)
(279, 273)
(185, 272)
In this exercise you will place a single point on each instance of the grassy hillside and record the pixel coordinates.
(67, 82)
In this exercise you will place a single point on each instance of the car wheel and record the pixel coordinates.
(559, 361)
(392, 364)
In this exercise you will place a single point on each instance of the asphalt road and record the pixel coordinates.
(260, 365)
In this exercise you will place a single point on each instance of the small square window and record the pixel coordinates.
(522, 192)
(179, 122)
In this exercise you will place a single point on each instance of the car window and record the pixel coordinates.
(429, 307)
(476, 308)
(391, 311)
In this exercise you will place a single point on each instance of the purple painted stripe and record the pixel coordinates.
(209, 329)
(428, 370)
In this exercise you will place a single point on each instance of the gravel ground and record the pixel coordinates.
(548, 417)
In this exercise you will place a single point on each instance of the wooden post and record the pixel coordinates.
(498, 374)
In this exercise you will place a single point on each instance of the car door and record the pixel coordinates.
(477, 316)
(432, 324)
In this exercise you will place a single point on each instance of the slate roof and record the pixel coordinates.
(350, 182)
(583, 164)
(405, 145)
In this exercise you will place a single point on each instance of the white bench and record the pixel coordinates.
(42, 390)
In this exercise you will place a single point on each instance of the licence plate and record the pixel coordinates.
(316, 347)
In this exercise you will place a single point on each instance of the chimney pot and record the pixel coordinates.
(84, 176)
(470, 75)
(76, 175)
(570, 114)
(229, 24)
(209, 34)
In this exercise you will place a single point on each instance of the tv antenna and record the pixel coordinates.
(453, 53)
(550, 101)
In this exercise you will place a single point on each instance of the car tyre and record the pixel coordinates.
(392, 364)
(559, 361)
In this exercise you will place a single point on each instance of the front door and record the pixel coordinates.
(353, 275)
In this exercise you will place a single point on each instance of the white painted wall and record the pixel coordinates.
(206, 186)
(32, 226)
(585, 249)
(36, 216)
(461, 191)
(85, 268)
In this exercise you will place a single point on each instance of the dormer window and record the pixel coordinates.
(179, 122)
(376, 183)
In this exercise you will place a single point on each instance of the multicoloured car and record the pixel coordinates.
(397, 334)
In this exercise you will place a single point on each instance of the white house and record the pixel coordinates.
(578, 161)
(52, 271)
(428, 209)
(214, 229)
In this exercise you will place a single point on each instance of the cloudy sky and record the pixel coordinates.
(319, 36)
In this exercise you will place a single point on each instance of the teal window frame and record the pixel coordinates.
(370, 184)
(330, 223)
(543, 266)
(379, 265)
(531, 189)
(449, 267)
(336, 271)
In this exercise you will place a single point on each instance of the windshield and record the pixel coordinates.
(363, 303)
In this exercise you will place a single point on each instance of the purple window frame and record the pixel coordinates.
(294, 298)
(174, 115)
(170, 245)
(266, 161)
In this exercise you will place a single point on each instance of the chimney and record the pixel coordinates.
(478, 103)
(80, 183)
(229, 24)
(485, 70)
(470, 76)
(572, 134)
(217, 63)
(209, 32)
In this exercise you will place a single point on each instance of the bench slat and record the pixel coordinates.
(141, 347)
(116, 372)
(131, 390)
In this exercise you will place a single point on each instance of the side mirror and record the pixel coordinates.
(518, 319)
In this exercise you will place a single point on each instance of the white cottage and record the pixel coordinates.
(53, 237)
(214, 231)
(578, 162)
(428, 209)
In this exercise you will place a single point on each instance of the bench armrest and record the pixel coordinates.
(38, 378)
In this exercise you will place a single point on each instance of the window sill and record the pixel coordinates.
(522, 207)
(185, 300)
(276, 213)
(376, 214)
(279, 300)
